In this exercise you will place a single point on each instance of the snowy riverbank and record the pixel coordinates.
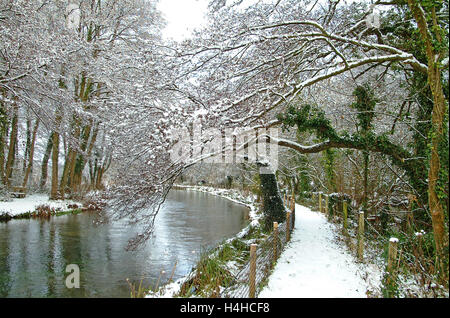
(17, 207)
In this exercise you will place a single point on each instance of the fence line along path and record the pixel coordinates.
(252, 276)
(314, 264)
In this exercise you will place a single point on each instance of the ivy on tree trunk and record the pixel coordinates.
(273, 208)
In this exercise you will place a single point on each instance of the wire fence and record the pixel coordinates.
(253, 276)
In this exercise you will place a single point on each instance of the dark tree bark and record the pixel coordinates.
(54, 193)
(44, 171)
(30, 154)
(273, 208)
(12, 144)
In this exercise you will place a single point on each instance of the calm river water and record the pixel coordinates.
(34, 253)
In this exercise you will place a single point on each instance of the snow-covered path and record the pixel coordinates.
(314, 264)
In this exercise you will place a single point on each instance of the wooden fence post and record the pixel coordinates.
(288, 226)
(320, 202)
(392, 255)
(419, 238)
(327, 213)
(392, 267)
(252, 275)
(275, 241)
(361, 236)
(293, 211)
(344, 210)
(410, 216)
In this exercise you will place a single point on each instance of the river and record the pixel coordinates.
(34, 253)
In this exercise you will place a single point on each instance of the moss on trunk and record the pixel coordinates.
(273, 208)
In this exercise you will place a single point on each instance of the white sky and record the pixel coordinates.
(182, 17)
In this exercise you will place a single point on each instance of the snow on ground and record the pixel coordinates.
(314, 265)
(30, 202)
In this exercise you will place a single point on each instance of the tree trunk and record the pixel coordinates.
(3, 133)
(2, 155)
(45, 159)
(433, 52)
(55, 156)
(98, 181)
(69, 165)
(82, 159)
(2, 150)
(365, 182)
(273, 208)
(30, 154)
(28, 145)
(437, 212)
(12, 145)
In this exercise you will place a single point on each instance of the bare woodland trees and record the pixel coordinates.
(31, 48)
(64, 63)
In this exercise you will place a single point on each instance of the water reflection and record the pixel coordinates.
(34, 253)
